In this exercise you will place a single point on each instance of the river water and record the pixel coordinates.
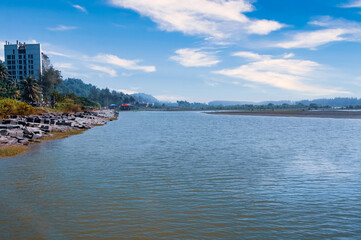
(188, 175)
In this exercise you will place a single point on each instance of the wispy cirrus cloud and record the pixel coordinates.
(250, 55)
(111, 72)
(80, 8)
(101, 62)
(63, 65)
(352, 4)
(335, 30)
(2, 51)
(213, 19)
(121, 62)
(55, 53)
(195, 57)
(314, 39)
(284, 73)
(62, 28)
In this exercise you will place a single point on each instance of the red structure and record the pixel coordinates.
(125, 107)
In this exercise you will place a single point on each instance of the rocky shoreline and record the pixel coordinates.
(24, 130)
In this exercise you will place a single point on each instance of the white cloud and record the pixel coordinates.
(126, 91)
(2, 51)
(62, 28)
(61, 65)
(250, 55)
(263, 27)
(214, 19)
(109, 71)
(352, 4)
(282, 73)
(124, 63)
(314, 39)
(336, 30)
(195, 57)
(55, 53)
(168, 98)
(288, 55)
(80, 8)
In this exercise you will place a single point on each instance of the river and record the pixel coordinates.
(188, 175)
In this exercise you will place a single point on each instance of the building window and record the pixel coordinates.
(9, 57)
(30, 56)
(20, 61)
(13, 62)
(13, 57)
(9, 62)
(20, 56)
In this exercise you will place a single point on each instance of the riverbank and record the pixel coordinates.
(294, 113)
(18, 133)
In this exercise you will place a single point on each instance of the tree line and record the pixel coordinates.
(52, 88)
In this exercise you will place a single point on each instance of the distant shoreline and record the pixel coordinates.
(311, 114)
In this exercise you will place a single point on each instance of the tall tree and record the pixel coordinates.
(30, 90)
(49, 80)
(3, 70)
(3, 80)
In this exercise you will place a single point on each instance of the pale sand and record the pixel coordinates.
(295, 113)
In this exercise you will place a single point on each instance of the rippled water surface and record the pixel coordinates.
(189, 175)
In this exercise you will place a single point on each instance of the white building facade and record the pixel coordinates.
(23, 60)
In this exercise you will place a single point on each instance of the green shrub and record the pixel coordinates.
(68, 106)
(13, 107)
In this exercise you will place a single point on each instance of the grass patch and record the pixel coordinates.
(10, 151)
(61, 135)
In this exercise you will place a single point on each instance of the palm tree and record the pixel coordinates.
(3, 71)
(13, 90)
(30, 90)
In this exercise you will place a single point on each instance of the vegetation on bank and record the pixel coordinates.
(13, 150)
(61, 135)
(13, 107)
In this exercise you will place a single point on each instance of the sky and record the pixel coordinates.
(198, 50)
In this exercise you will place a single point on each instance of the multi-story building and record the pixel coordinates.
(23, 60)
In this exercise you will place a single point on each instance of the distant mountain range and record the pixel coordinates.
(144, 98)
(105, 96)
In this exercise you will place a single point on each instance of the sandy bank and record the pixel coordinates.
(311, 114)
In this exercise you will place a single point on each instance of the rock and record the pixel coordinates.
(24, 142)
(46, 128)
(3, 132)
(12, 141)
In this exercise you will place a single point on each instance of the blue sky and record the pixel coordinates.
(198, 50)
